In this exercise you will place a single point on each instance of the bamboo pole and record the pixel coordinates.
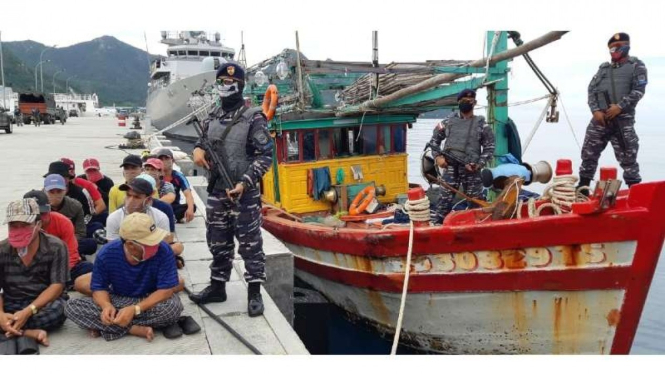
(301, 98)
(448, 77)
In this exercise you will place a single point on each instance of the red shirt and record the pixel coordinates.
(62, 228)
(90, 187)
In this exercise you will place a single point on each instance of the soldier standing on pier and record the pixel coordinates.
(613, 95)
(240, 137)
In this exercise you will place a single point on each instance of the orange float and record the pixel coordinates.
(367, 195)
(270, 101)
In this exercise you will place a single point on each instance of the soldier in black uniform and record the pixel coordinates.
(241, 139)
(468, 148)
(613, 95)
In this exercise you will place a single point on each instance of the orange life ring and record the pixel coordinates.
(270, 101)
(368, 193)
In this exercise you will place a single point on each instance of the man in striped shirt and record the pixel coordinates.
(133, 284)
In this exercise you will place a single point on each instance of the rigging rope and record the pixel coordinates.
(537, 125)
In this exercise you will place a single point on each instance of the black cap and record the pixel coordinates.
(138, 185)
(59, 168)
(42, 200)
(467, 92)
(619, 37)
(134, 160)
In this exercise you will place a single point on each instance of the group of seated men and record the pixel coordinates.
(131, 286)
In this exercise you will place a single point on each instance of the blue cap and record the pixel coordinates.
(467, 92)
(54, 181)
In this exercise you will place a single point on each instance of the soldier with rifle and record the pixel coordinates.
(236, 147)
(469, 146)
(613, 95)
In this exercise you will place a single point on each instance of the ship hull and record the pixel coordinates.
(568, 284)
(167, 105)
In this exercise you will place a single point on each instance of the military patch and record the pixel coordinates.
(261, 137)
(617, 36)
(642, 79)
(231, 70)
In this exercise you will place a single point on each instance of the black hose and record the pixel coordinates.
(226, 326)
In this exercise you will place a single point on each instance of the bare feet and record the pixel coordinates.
(39, 335)
(93, 333)
(142, 332)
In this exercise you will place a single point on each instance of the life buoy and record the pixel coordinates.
(270, 101)
(368, 194)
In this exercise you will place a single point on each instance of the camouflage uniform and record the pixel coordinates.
(227, 220)
(456, 173)
(597, 135)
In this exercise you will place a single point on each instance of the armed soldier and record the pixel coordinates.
(613, 95)
(239, 137)
(468, 148)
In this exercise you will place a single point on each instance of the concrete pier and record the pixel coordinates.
(25, 156)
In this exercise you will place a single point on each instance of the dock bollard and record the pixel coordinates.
(416, 194)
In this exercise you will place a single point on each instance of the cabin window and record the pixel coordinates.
(292, 146)
(181, 53)
(324, 142)
(347, 142)
(173, 53)
(308, 146)
(192, 53)
(214, 54)
(231, 56)
(369, 135)
(399, 138)
(204, 53)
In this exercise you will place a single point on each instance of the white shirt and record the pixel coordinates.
(115, 219)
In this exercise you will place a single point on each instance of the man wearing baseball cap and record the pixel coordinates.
(154, 167)
(33, 276)
(92, 193)
(133, 284)
(56, 224)
(179, 181)
(132, 165)
(93, 174)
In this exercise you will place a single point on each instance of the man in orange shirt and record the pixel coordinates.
(56, 224)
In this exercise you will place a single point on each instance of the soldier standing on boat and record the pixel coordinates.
(469, 146)
(240, 137)
(613, 95)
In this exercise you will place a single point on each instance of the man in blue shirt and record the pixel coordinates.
(182, 211)
(132, 285)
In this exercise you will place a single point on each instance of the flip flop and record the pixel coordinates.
(7, 346)
(27, 346)
(180, 262)
(172, 331)
(188, 325)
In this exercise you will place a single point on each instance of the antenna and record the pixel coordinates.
(146, 48)
(242, 59)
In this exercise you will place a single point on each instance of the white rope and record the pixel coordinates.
(537, 125)
(561, 194)
(517, 103)
(418, 211)
(495, 40)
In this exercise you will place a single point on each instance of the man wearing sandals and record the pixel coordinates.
(33, 273)
(133, 284)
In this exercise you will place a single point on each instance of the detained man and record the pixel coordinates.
(33, 274)
(133, 284)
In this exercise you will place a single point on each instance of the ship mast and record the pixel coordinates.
(242, 59)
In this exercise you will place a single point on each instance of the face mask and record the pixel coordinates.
(465, 106)
(618, 53)
(22, 237)
(94, 176)
(226, 90)
(149, 251)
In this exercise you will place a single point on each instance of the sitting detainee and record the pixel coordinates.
(33, 273)
(133, 284)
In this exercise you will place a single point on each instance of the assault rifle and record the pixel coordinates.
(449, 156)
(615, 124)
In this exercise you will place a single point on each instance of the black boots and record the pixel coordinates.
(214, 293)
(254, 300)
(584, 182)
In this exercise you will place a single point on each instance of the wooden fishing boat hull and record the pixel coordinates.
(553, 284)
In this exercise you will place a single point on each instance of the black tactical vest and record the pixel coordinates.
(463, 138)
(623, 82)
(233, 151)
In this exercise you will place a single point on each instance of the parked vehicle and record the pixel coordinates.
(6, 121)
(73, 113)
(29, 103)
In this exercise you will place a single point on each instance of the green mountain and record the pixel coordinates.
(116, 71)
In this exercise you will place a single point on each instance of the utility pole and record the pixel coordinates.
(41, 70)
(53, 84)
(2, 71)
(36, 66)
